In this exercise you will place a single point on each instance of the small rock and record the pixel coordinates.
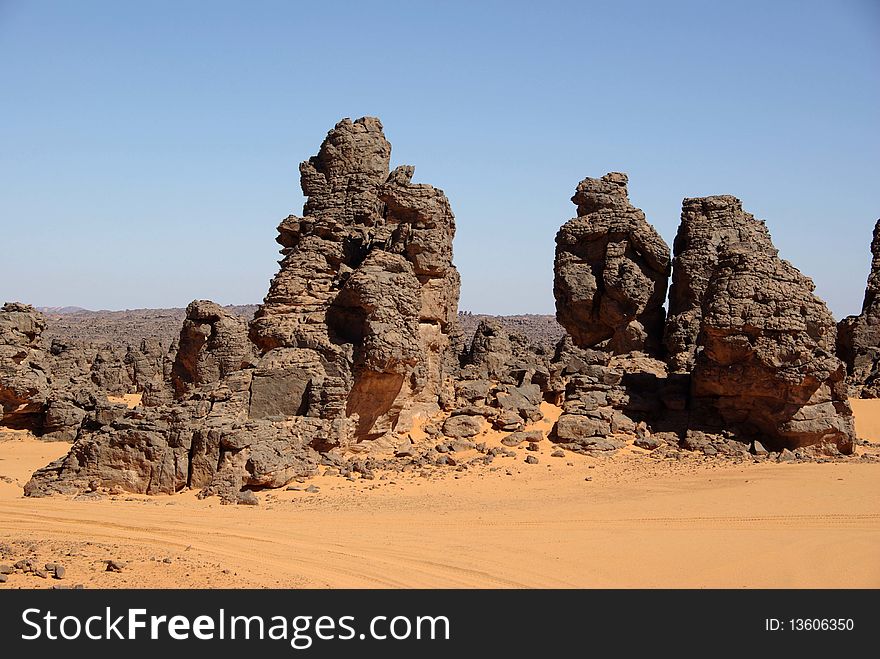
(3, 578)
(588, 478)
(517, 438)
(533, 447)
(116, 566)
(246, 498)
(295, 488)
(758, 448)
(649, 443)
(462, 426)
(6, 569)
(531, 460)
(786, 456)
(557, 454)
(40, 572)
(461, 445)
(313, 489)
(60, 571)
(166, 560)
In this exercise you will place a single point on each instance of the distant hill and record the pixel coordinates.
(61, 310)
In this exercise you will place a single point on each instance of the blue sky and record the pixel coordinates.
(149, 149)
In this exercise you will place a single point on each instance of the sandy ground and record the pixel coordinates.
(131, 400)
(638, 522)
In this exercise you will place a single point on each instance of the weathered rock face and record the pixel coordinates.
(354, 335)
(201, 442)
(751, 348)
(24, 389)
(611, 271)
(358, 321)
(707, 223)
(858, 337)
(765, 359)
(212, 344)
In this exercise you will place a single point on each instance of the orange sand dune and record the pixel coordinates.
(638, 522)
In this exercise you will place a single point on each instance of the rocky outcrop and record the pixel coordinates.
(354, 338)
(611, 271)
(24, 381)
(212, 344)
(751, 348)
(858, 337)
(358, 321)
(707, 223)
(764, 352)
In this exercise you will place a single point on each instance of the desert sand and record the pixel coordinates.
(637, 522)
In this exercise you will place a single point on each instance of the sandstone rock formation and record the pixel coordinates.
(764, 347)
(354, 338)
(751, 348)
(706, 224)
(611, 271)
(358, 322)
(766, 358)
(212, 345)
(24, 384)
(858, 337)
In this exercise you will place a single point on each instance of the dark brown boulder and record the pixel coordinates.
(611, 271)
(858, 337)
(765, 361)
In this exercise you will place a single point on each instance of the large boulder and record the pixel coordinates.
(764, 353)
(611, 271)
(858, 337)
(707, 223)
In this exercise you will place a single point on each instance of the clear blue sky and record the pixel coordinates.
(149, 149)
